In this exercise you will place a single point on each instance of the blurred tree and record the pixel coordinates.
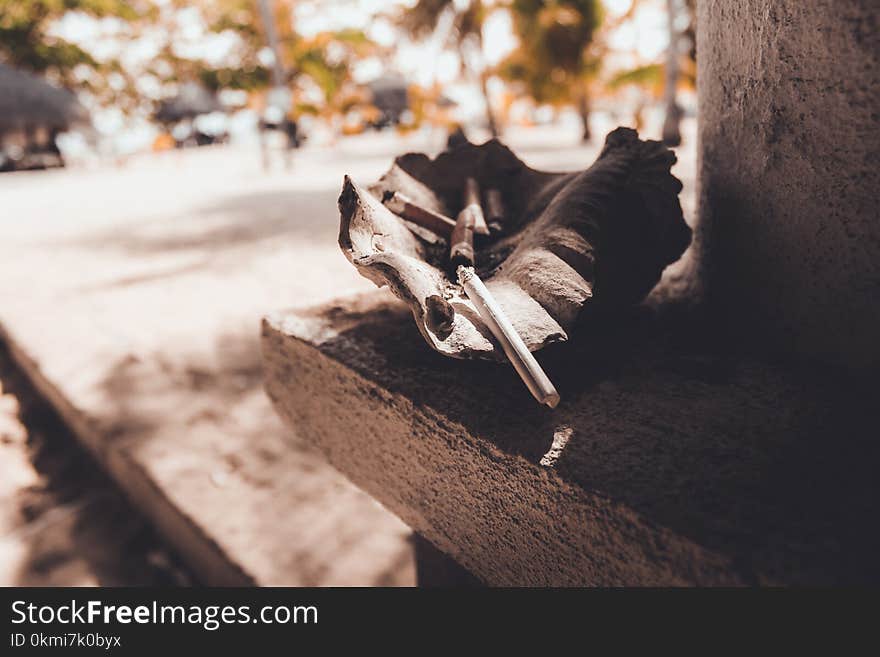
(327, 59)
(672, 121)
(242, 17)
(647, 79)
(678, 64)
(26, 40)
(271, 30)
(690, 32)
(430, 105)
(649, 76)
(554, 61)
(466, 35)
(323, 61)
(663, 81)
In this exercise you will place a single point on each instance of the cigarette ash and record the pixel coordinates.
(561, 242)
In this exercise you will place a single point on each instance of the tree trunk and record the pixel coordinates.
(471, 50)
(583, 105)
(671, 128)
(490, 115)
(272, 39)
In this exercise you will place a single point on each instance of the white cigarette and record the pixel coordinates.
(524, 362)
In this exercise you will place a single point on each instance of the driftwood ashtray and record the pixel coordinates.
(549, 243)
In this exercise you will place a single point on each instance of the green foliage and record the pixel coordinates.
(327, 59)
(248, 79)
(649, 76)
(421, 20)
(243, 18)
(25, 42)
(240, 16)
(553, 60)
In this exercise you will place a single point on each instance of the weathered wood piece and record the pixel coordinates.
(598, 238)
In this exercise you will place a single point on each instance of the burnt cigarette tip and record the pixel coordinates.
(552, 400)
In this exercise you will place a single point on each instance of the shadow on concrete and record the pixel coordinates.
(75, 525)
(237, 221)
(211, 409)
(771, 464)
(224, 234)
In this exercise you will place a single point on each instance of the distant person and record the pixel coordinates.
(291, 129)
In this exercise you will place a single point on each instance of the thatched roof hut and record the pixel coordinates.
(28, 101)
(191, 101)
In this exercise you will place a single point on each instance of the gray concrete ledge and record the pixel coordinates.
(276, 519)
(667, 462)
(207, 559)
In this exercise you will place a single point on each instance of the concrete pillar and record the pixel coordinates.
(789, 96)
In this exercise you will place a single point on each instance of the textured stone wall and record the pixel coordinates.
(789, 161)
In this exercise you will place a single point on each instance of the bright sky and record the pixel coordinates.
(426, 62)
(423, 63)
(639, 41)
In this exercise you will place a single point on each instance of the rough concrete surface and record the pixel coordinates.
(667, 462)
(62, 521)
(789, 171)
(132, 299)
